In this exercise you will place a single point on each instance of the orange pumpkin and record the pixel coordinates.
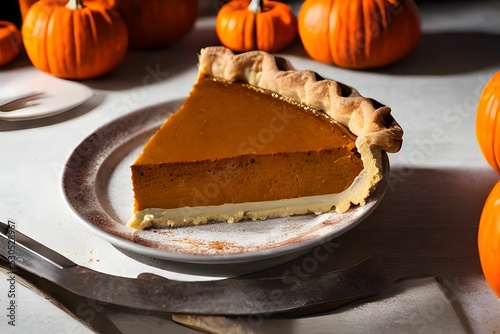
(10, 42)
(487, 119)
(359, 33)
(74, 41)
(157, 23)
(244, 25)
(489, 239)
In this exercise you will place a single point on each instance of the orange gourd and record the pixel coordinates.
(487, 119)
(359, 34)
(157, 23)
(489, 239)
(76, 41)
(244, 25)
(488, 138)
(10, 42)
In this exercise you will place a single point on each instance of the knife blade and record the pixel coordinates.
(153, 294)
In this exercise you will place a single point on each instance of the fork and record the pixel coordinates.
(24, 97)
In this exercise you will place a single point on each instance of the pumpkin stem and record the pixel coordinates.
(256, 6)
(75, 4)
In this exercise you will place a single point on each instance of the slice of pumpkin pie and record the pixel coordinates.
(256, 139)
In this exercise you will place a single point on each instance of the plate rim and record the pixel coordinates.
(158, 253)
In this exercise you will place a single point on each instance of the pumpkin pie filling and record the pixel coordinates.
(236, 150)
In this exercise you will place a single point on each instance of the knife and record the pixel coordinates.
(153, 294)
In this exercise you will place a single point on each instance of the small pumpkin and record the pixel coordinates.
(487, 120)
(359, 34)
(10, 42)
(76, 40)
(157, 23)
(489, 239)
(244, 25)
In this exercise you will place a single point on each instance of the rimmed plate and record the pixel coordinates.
(49, 95)
(97, 185)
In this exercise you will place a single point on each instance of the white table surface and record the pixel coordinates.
(427, 221)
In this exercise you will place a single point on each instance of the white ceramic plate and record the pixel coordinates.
(53, 95)
(97, 185)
